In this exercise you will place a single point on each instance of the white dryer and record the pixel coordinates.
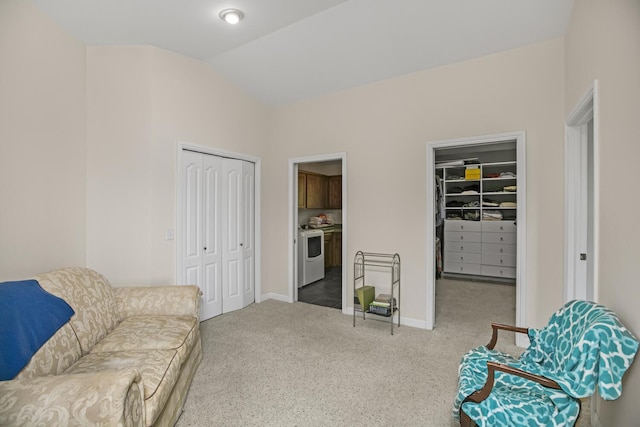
(310, 256)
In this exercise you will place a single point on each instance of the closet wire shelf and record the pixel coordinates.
(361, 261)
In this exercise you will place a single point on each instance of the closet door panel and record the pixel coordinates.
(217, 231)
(232, 236)
(200, 226)
(248, 228)
(192, 173)
(212, 252)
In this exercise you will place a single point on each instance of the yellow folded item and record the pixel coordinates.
(366, 295)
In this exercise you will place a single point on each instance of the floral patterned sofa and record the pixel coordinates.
(126, 357)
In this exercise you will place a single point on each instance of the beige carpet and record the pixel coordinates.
(280, 364)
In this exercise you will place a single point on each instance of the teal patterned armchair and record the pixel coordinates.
(583, 346)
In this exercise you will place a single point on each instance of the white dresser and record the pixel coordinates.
(482, 248)
(462, 247)
(498, 249)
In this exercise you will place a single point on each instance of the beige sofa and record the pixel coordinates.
(126, 357)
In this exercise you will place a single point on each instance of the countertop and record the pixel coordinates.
(336, 228)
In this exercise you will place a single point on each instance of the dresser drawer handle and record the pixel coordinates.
(501, 250)
(502, 239)
(461, 237)
(462, 248)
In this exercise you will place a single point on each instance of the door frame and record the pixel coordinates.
(293, 221)
(521, 226)
(182, 146)
(575, 149)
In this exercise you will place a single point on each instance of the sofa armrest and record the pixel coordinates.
(101, 398)
(159, 300)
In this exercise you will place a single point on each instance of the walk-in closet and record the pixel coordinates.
(476, 215)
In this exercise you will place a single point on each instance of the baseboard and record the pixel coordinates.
(404, 321)
(277, 297)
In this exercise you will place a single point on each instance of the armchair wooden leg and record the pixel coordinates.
(465, 421)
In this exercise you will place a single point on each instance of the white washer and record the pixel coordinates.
(310, 256)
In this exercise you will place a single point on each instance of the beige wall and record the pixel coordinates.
(143, 101)
(603, 43)
(384, 129)
(42, 144)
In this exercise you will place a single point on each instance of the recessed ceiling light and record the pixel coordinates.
(231, 16)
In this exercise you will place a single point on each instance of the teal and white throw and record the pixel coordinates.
(583, 346)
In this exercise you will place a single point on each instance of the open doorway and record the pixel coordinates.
(482, 181)
(318, 225)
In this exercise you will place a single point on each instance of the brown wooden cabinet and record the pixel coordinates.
(316, 191)
(328, 250)
(302, 190)
(312, 190)
(337, 248)
(332, 249)
(334, 192)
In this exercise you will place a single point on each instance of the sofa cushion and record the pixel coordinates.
(152, 332)
(159, 370)
(91, 297)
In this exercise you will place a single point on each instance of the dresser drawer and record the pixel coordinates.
(499, 259)
(462, 267)
(461, 246)
(508, 238)
(498, 248)
(460, 225)
(496, 271)
(462, 236)
(498, 226)
(473, 258)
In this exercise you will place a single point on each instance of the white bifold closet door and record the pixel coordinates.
(217, 238)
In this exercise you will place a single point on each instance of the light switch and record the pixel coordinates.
(170, 234)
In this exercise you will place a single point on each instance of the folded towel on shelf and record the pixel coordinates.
(383, 298)
(492, 215)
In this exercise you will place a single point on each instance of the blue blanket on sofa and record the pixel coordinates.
(29, 316)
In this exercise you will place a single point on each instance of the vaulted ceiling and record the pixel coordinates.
(289, 50)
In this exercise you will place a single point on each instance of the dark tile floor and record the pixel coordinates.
(326, 292)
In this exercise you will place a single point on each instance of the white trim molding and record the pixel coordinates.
(293, 220)
(520, 139)
(575, 222)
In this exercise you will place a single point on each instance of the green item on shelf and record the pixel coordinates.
(366, 295)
